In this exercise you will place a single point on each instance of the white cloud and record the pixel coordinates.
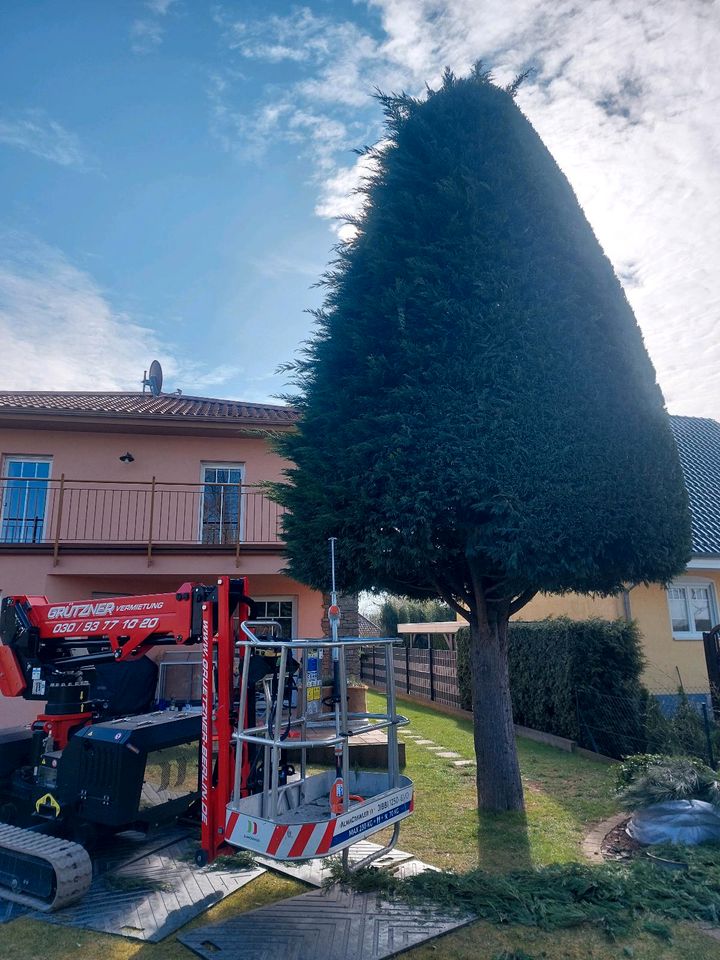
(35, 132)
(340, 195)
(159, 7)
(277, 265)
(281, 120)
(299, 37)
(147, 32)
(311, 110)
(60, 332)
(244, 134)
(624, 94)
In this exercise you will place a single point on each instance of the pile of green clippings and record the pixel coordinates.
(612, 897)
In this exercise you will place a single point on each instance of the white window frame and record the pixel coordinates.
(26, 458)
(221, 465)
(271, 598)
(682, 584)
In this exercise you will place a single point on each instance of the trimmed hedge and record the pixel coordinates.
(551, 660)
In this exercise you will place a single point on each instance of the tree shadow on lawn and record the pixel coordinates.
(503, 842)
(564, 794)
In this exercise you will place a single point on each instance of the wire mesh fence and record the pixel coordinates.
(672, 720)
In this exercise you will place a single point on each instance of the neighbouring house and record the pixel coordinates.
(368, 628)
(104, 494)
(671, 619)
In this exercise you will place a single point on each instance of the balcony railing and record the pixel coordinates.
(138, 514)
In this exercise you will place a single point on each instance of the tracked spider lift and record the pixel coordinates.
(80, 771)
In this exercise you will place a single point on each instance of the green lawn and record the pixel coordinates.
(564, 793)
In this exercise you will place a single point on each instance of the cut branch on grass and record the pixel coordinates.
(611, 897)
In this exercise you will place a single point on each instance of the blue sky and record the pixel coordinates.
(171, 170)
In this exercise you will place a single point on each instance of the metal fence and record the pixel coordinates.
(136, 513)
(672, 720)
(431, 674)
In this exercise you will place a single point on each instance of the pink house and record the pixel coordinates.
(123, 493)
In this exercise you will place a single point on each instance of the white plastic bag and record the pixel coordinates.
(676, 821)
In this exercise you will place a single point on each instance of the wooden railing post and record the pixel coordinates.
(152, 514)
(58, 521)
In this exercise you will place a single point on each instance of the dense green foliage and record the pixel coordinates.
(633, 767)
(479, 419)
(681, 730)
(650, 779)
(551, 660)
(611, 896)
(478, 410)
(395, 610)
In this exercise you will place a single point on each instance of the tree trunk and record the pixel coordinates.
(499, 786)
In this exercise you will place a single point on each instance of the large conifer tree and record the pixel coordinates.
(479, 417)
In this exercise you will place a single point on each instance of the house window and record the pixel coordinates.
(692, 609)
(24, 499)
(221, 504)
(281, 609)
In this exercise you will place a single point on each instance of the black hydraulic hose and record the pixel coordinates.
(287, 694)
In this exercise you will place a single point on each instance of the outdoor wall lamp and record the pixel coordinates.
(127, 457)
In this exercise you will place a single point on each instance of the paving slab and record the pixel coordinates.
(152, 896)
(448, 755)
(463, 763)
(317, 872)
(328, 924)
(425, 743)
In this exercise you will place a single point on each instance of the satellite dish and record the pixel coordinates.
(154, 379)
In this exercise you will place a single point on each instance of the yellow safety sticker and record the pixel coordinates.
(48, 801)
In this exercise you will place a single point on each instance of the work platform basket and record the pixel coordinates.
(294, 820)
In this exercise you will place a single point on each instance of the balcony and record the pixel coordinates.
(138, 517)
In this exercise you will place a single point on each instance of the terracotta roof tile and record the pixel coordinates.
(698, 443)
(143, 405)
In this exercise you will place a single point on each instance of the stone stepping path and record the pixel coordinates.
(439, 751)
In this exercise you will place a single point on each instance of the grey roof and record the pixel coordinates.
(698, 442)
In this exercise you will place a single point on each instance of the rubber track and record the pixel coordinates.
(70, 862)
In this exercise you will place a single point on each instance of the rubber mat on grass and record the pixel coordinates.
(329, 924)
(153, 896)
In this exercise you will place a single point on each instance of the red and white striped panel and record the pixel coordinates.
(303, 841)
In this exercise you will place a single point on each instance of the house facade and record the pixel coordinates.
(104, 494)
(671, 619)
